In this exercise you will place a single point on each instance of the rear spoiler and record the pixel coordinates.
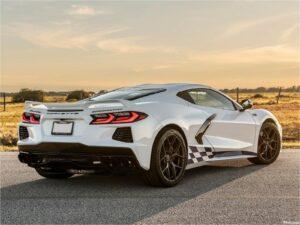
(125, 103)
(29, 104)
(82, 103)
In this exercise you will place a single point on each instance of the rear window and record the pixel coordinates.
(127, 94)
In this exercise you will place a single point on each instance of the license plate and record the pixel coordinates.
(62, 128)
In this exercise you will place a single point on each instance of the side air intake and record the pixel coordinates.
(23, 133)
(123, 134)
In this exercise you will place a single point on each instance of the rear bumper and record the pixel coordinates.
(99, 137)
(72, 148)
(76, 156)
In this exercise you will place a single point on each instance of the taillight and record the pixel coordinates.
(26, 117)
(117, 117)
(31, 118)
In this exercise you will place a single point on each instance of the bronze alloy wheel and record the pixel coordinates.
(168, 159)
(269, 144)
(172, 158)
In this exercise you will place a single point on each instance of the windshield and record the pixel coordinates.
(127, 94)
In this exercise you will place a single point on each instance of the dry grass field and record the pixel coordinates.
(287, 111)
(11, 117)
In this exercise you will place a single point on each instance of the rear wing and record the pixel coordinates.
(30, 104)
(83, 104)
(126, 103)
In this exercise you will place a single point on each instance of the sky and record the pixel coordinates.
(94, 45)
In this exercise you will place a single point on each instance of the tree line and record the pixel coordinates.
(26, 94)
(38, 95)
(263, 89)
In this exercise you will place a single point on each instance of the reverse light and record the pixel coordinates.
(117, 117)
(31, 118)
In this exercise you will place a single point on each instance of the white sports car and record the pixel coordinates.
(160, 130)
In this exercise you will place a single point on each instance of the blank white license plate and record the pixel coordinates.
(62, 128)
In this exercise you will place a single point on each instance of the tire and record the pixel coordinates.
(168, 163)
(269, 144)
(53, 174)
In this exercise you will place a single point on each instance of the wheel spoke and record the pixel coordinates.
(169, 142)
(168, 172)
(272, 135)
(177, 155)
(267, 132)
(172, 168)
(268, 144)
(260, 145)
(172, 157)
(264, 151)
(174, 140)
(163, 158)
(165, 168)
(176, 166)
(176, 148)
(271, 151)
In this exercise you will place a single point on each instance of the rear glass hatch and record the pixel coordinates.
(129, 94)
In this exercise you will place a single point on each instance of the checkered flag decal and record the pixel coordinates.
(199, 154)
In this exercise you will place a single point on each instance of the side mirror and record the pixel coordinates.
(246, 104)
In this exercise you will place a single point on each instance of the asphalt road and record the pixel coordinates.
(227, 193)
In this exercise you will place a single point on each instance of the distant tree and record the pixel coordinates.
(258, 96)
(77, 95)
(261, 89)
(91, 93)
(26, 94)
(101, 92)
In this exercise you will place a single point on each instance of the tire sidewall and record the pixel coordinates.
(156, 156)
(274, 127)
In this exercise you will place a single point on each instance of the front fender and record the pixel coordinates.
(262, 115)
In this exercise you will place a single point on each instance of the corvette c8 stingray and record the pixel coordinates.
(161, 130)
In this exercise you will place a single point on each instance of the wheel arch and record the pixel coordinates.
(274, 121)
(170, 126)
(263, 116)
(266, 117)
(270, 120)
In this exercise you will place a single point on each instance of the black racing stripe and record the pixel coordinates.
(203, 128)
(232, 153)
(248, 153)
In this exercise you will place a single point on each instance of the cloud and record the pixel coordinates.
(67, 35)
(288, 32)
(130, 45)
(245, 25)
(84, 10)
(121, 45)
(60, 35)
(265, 54)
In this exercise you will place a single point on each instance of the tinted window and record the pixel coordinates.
(206, 97)
(127, 94)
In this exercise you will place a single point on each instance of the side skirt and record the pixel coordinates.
(201, 155)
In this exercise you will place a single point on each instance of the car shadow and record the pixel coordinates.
(95, 199)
